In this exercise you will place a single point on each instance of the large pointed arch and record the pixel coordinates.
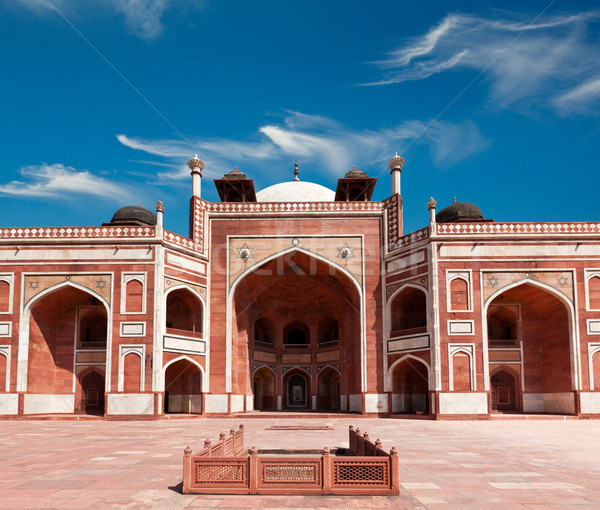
(23, 351)
(231, 291)
(572, 315)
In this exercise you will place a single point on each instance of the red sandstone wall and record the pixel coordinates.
(220, 228)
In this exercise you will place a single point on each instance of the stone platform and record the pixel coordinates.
(466, 465)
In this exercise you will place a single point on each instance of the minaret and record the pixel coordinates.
(196, 166)
(431, 207)
(160, 208)
(395, 165)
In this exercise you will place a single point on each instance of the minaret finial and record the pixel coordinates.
(296, 172)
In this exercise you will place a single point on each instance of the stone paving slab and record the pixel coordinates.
(501, 465)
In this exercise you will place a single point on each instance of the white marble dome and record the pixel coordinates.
(296, 191)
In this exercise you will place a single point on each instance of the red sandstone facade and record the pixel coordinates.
(299, 298)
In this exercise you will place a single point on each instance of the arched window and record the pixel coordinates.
(594, 292)
(4, 296)
(329, 330)
(134, 298)
(93, 329)
(296, 335)
(184, 312)
(132, 373)
(459, 294)
(502, 327)
(264, 331)
(409, 311)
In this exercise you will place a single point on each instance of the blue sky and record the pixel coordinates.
(102, 103)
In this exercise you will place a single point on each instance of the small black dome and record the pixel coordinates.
(459, 211)
(133, 215)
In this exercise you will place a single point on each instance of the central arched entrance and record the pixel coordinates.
(300, 317)
(297, 390)
(529, 351)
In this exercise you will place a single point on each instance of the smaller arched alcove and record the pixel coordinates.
(4, 296)
(93, 329)
(296, 335)
(594, 293)
(328, 332)
(409, 312)
(134, 296)
(184, 313)
(263, 385)
(502, 326)
(264, 332)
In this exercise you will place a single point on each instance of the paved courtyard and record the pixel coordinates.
(508, 464)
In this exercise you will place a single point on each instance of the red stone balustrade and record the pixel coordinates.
(221, 469)
(184, 332)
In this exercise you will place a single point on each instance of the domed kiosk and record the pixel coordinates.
(133, 215)
(460, 211)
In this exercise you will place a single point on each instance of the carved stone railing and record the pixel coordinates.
(293, 207)
(491, 228)
(398, 333)
(75, 232)
(184, 333)
(364, 469)
(178, 240)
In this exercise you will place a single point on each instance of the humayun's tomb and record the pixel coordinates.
(301, 298)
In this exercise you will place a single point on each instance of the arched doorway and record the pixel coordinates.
(410, 387)
(297, 390)
(183, 388)
(92, 393)
(529, 325)
(264, 389)
(328, 384)
(504, 391)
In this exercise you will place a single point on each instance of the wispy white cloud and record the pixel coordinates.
(144, 18)
(315, 139)
(533, 62)
(57, 180)
(580, 97)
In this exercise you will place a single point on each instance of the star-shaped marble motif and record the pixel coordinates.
(493, 281)
(101, 284)
(562, 280)
(423, 281)
(245, 252)
(34, 285)
(345, 252)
